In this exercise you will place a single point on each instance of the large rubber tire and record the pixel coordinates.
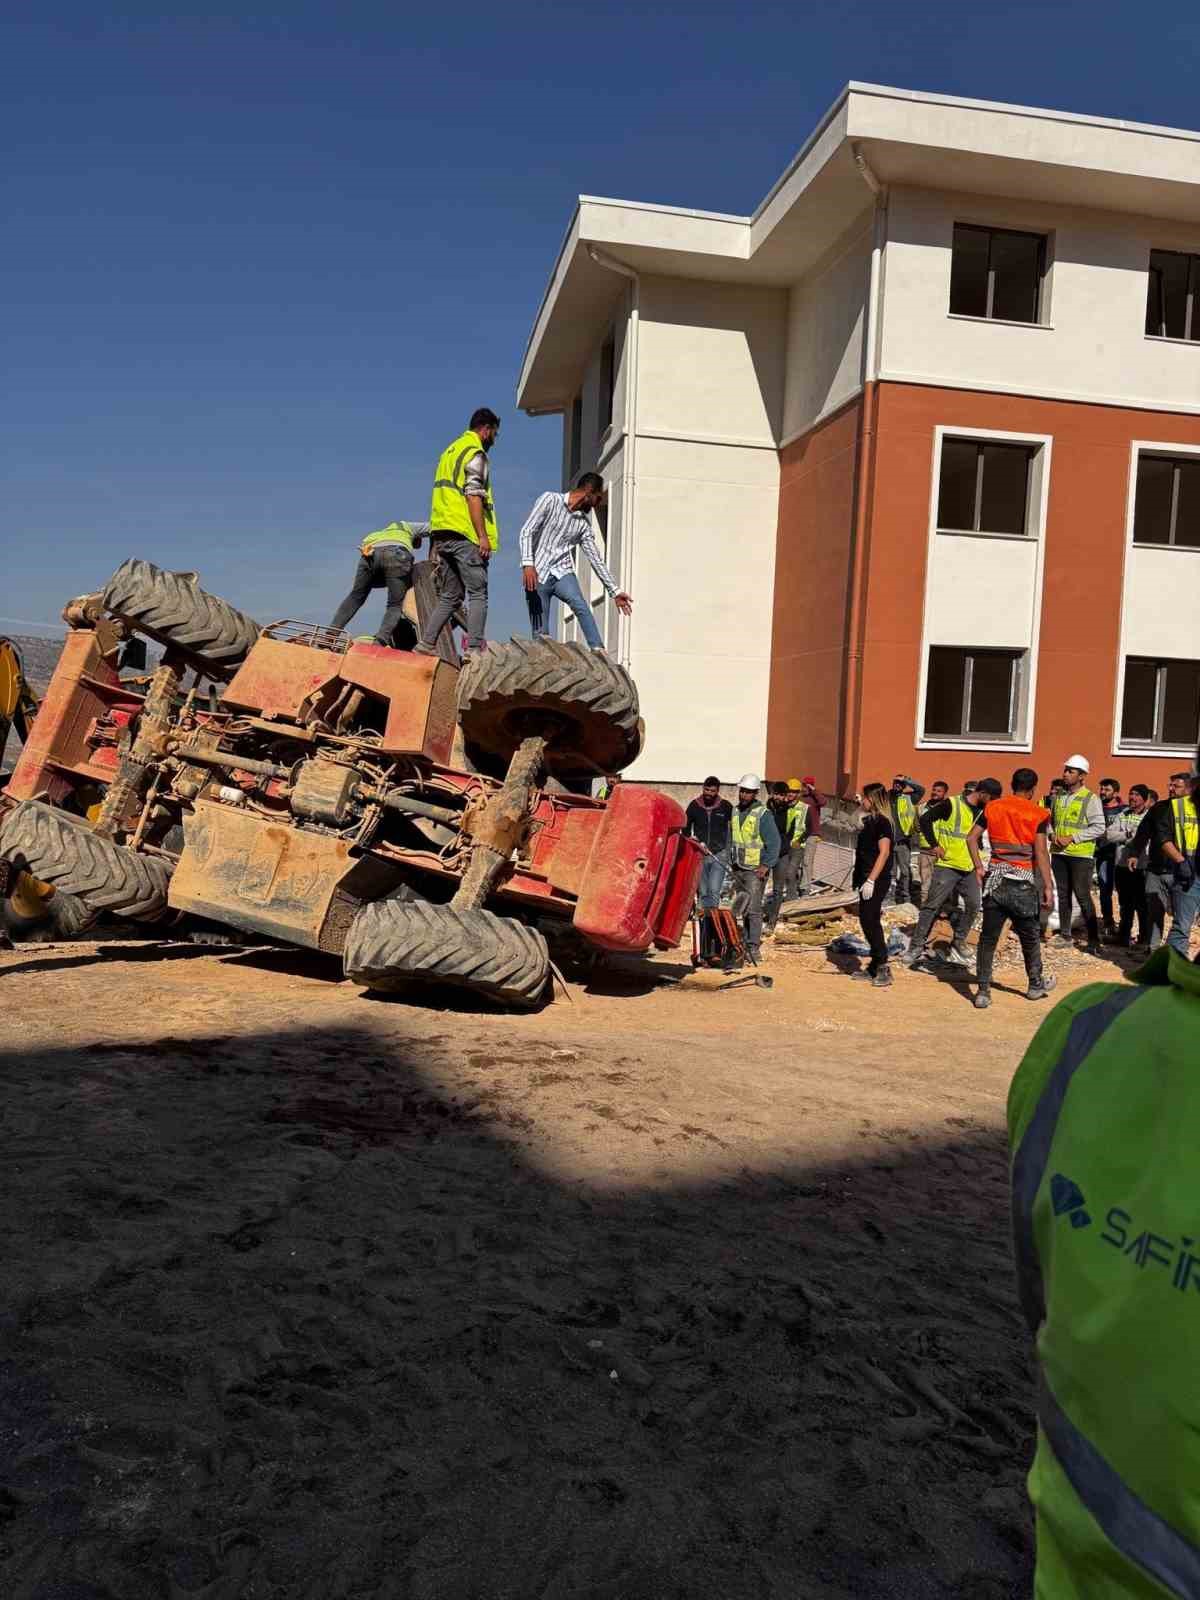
(585, 701)
(394, 943)
(63, 850)
(172, 608)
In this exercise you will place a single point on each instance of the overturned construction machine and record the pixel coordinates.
(372, 803)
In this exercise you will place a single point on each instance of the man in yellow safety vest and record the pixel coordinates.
(463, 533)
(1177, 837)
(753, 849)
(790, 813)
(904, 801)
(1076, 822)
(945, 826)
(385, 561)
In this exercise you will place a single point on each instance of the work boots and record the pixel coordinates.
(883, 978)
(959, 954)
(1040, 987)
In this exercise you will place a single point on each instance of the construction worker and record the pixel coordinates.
(1016, 881)
(807, 789)
(945, 826)
(385, 561)
(1145, 852)
(708, 822)
(923, 865)
(463, 534)
(754, 849)
(1130, 881)
(1100, 1131)
(790, 812)
(903, 802)
(1109, 790)
(1177, 834)
(1076, 822)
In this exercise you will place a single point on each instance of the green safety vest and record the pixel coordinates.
(906, 816)
(1106, 1219)
(394, 533)
(1187, 827)
(1068, 817)
(795, 823)
(747, 836)
(449, 512)
(951, 833)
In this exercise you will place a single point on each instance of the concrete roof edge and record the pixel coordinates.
(1085, 119)
(670, 211)
(547, 297)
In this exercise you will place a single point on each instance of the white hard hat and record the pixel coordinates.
(1077, 761)
(750, 780)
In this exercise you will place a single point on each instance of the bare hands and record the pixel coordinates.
(529, 578)
(624, 603)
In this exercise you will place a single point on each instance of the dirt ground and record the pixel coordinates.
(661, 1292)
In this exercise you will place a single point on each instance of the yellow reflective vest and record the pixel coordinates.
(1187, 827)
(1069, 815)
(746, 834)
(906, 817)
(951, 833)
(448, 512)
(394, 533)
(795, 824)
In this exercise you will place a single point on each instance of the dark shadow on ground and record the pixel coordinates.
(283, 1319)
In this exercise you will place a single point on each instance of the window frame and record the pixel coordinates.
(1143, 553)
(1040, 316)
(981, 443)
(1177, 457)
(1192, 314)
(575, 441)
(1028, 637)
(1019, 656)
(607, 385)
(1155, 745)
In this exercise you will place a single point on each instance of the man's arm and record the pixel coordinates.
(1041, 861)
(1164, 832)
(592, 550)
(476, 489)
(928, 817)
(974, 839)
(772, 844)
(1093, 821)
(534, 524)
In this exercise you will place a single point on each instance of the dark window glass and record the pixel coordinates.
(984, 488)
(991, 694)
(970, 692)
(1171, 295)
(944, 692)
(607, 371)
(576, 446)
(956, 491)
(1005, 489)
(996, 272)
(1152, 500)
(1187, 504)
(1141, 690)
(1181, 703)
(969, 272)
(1016, 276)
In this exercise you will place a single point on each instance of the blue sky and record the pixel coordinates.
(259, 266)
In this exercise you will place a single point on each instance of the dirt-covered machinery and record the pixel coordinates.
(368, 802)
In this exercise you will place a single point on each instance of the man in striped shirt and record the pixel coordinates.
(557, 526)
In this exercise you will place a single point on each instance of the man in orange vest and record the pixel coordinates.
(1016, 882)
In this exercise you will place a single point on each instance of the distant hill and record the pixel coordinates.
(39, 658)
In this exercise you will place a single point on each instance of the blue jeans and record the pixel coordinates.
(566, 587)
(712, 881)
(1185, 903)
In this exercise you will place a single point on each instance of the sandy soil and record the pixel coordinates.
(660, 1293)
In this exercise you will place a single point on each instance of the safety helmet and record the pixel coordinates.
(750, 780)
(1081, 762)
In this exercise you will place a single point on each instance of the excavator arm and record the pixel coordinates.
(18, 706)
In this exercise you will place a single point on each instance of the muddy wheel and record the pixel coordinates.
(171, 607)
(62, 850)
(581, 701)
(29, 910)
(394, 943)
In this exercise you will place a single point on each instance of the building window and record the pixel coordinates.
(608, 367)
(575, 445)
(1166, 507)
(1173, 295)
(972, 694)
(984, 487)
(1162, 703)
(997, 273)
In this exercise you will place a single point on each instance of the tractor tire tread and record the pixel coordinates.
(63, 851)
(392, 942)
(174, 610)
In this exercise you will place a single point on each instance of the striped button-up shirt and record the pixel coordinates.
(551, 536)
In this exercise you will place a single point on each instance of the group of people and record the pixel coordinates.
(464, 535)
(1141, 852)
(765, 850)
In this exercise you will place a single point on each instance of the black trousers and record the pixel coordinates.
(1073, 878)
(1131, 893)
(1015, 902)
(1106, 882)
(389, 566)
(870, 916)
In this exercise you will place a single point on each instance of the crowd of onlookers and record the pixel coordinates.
(1026, 858)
